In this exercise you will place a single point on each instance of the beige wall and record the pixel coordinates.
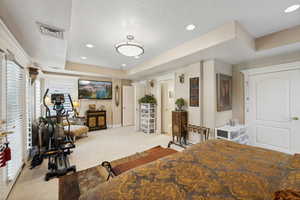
(114, 112)
(206, 114)
(209, 94)
(101, 71)
(182, 91)
(277, 39)
(212, 118)
(223, 117)
(238, 81)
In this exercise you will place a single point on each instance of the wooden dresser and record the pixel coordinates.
(179, 126)
(96, 120)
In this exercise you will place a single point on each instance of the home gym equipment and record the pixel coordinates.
(59, 145)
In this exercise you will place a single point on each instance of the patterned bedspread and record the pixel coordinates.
(215, 170)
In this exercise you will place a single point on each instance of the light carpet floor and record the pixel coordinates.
(90, 151)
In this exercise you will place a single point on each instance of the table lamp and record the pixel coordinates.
(76, 105)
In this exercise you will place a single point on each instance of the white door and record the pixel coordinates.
(128, 105)
(166, 107)
(139, 91)
(274, 110)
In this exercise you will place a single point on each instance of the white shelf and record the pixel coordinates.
(148, 118)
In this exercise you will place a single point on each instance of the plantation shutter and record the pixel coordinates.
(65, 86)
(15, 115)
(29, 111)
(3, 170)
(37, 99)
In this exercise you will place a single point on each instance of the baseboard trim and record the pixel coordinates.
(114, 126)
(117, 125)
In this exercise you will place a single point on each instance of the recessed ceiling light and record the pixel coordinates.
(89, 45)
(83, 57)
(292, 8)
(123, 65)
(190, 27)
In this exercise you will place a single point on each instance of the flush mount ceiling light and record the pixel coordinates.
(89, 46)
(123, 65)
(129, 48)
(83, 57)
(190, 27)
(292, 8)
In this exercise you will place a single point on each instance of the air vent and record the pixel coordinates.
(51, 31)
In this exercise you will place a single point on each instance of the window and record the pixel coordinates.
(62, 85)
(15, 115)
(37, 98)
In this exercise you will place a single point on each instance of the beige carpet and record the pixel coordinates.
(103, 145)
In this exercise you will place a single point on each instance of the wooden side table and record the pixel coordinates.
(203, 131)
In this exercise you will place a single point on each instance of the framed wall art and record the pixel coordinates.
(224, 92)
(194, 92)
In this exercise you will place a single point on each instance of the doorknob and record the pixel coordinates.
(295, 118)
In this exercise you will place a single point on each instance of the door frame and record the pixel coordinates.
(160, 80)
(133, 122)
(262, 70)
(136, 103)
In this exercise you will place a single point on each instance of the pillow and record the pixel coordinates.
(287, 195)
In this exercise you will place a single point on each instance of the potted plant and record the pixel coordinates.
(180, 103)
(148, 99)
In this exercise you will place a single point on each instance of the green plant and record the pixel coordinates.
(180, 103)
(148, 99)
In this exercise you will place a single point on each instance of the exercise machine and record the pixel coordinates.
(59, 144)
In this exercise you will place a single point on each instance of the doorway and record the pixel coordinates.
(273, 110)
(167, 105)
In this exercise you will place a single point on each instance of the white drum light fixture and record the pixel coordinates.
(129, 48)
(292, 8)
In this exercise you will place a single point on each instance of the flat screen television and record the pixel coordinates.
(94, 89)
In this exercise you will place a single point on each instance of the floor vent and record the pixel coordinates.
(51, 31)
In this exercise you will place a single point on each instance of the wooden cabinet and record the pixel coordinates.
(179, 126)
(96, 120)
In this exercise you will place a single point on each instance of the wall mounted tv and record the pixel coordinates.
(94, 89)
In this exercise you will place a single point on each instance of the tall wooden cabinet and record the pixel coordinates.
(179, 126)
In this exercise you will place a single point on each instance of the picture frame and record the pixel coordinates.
(194, 91)
(224, 92)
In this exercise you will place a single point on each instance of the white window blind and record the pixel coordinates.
(37, 99)
(3, 170)
(15, 115)
(29, 111)
(65, 86)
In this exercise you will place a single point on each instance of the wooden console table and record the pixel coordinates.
(96, 120)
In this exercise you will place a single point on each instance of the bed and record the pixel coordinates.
(72, 186)
(214, 170)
